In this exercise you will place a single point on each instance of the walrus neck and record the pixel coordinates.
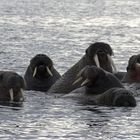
(84, 61)
(71, 74)
(75, 69)
(65, 83)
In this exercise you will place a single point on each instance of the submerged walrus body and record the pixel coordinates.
(40, 74)
(98, 54)
(101, 88)
(11, 87)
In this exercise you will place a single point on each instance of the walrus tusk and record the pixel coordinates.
(81, 71)
(48, 70)
(35, 70)
(85, 82)
(96, 60)
(112, 62)
(76, 81)
(22, 94)
(11, 94)
(137, 65)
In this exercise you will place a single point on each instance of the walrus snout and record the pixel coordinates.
(41, 66)
(16, 95)
(88, 75)
(42, 70)
(100, 53)
(11, 87)
(16, 85)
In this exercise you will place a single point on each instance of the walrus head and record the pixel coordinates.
(96, 80)
(99, 54)
(11, 87)
(41, 66)
(89, 74)
(133, 69)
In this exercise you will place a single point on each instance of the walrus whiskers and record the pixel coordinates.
(112, 62)
(35, 70)
(49, 71)
(11, 94)
(96, 60)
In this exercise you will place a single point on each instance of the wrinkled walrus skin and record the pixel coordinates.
(11, 87)
(98, 54)
(101, 88)
(116, 97)
(40, 74)
(133, 70)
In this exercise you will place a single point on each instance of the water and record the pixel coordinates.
(63, 30)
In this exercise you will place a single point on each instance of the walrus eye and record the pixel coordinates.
(112, 62)
(95, 58)
(85, 82)
(49, 71)
(35, 71)
(11, 94)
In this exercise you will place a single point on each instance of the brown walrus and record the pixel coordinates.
(98, 54)
(133, 70)
(11, 87)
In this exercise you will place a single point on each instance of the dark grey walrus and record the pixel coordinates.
(101, 88)
(133, 70)
(98, 54)
(40, 74)
(11, 87)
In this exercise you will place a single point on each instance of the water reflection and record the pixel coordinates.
(63, 30)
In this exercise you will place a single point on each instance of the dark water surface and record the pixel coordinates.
(63, 30)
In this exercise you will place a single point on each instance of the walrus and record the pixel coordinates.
(100, 87)
(11, 87)
(40, 74)
(97, 80)
(98, 54)
(116, 97)
(133, 70)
